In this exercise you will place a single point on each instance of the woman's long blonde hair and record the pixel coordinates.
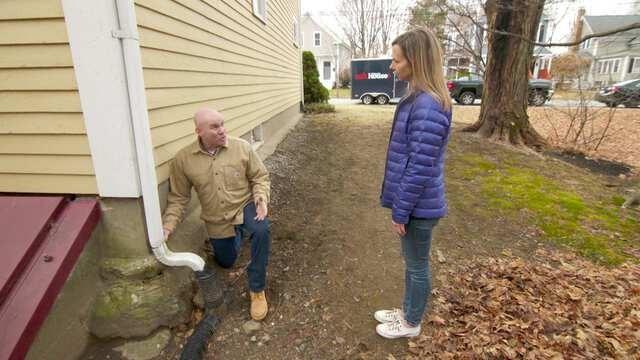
(423, 52)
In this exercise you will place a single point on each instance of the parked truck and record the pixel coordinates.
(466, 91)
(372, 81)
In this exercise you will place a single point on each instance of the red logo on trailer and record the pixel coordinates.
(371, 76)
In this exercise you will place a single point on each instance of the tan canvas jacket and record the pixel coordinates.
(225, 183)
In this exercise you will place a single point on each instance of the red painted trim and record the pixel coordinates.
(35, 293)
(25, 223)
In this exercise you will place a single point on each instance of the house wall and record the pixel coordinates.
(215, 54)
(43, 142)
(325, 52)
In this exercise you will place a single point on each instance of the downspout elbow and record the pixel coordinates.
(170, 258)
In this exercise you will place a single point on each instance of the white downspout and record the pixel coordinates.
(128, 33)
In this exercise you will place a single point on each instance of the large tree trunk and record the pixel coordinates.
(503, 115)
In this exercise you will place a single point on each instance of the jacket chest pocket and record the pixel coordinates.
(235, 177)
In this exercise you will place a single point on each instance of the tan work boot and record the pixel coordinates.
(259, 306)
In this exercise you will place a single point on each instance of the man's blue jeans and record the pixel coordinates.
(226, 250)
(416, 244)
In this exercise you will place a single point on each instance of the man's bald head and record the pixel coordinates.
(210, 128)
(206, 115)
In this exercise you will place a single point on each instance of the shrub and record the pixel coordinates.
(314, 92)
(318, 108)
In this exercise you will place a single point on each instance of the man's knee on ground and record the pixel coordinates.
(225, 261)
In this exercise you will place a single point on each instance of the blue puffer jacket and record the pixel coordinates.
(413, 183)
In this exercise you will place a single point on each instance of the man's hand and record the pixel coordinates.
(261, 210)
(398, 228)
(166, 232)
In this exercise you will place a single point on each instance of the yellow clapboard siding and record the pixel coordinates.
(172, 18)
(238, 22)
(212, 36)
(159, 78)
(18, 56)
(246, 9)
(41, 123)
(44, 144)
(281, 30)
(157, 98)
(166, 152)
(166, 134)
(157, 40)
(251, 119)
(46, 164)
(43, 31)
(183, 122)
(168, 115)
(40, 101)
(32, 9)
(38, 79)
(161, 59)
(38, 183)
(264, 102)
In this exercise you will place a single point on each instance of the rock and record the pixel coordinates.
(251, 326)
(265, 338)
(145, 349)
(254, 338)
(136, 308)
(440, 257)
(340, 340)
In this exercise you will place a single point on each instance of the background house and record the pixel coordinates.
(95, 100)
(332, 54)
(616, 57)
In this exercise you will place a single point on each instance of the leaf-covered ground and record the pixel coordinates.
(553, 306)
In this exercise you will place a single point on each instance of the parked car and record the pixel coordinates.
(626, 93)
(466, 91)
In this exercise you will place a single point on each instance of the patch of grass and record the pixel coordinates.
(595, 229)
(617, 200)
(318, 108)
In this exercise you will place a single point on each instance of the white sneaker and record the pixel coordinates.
(385, 316)
(397, 329)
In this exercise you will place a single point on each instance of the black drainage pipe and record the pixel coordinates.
(213, 294)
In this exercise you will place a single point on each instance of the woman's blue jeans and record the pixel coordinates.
(416, 244)
(226, 250)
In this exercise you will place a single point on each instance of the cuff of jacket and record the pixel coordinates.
(399, 219)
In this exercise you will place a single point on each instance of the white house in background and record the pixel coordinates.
(562, 21)
(616, 57)
(332, 53)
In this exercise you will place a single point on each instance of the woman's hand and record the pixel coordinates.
(398, 228)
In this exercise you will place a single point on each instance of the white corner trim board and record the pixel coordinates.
(99, 72)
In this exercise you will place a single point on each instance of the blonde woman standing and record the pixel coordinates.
(413, 186)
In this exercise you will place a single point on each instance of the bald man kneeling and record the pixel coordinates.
(232, 185)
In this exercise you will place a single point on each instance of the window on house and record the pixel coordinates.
(260, 10)
(295, 33)
(635, 65)
(616, 66)
(542, 32)
(598, 67)
(316, 38)
(586, 44)
(326, 70)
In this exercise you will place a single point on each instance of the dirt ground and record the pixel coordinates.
(334, 259)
